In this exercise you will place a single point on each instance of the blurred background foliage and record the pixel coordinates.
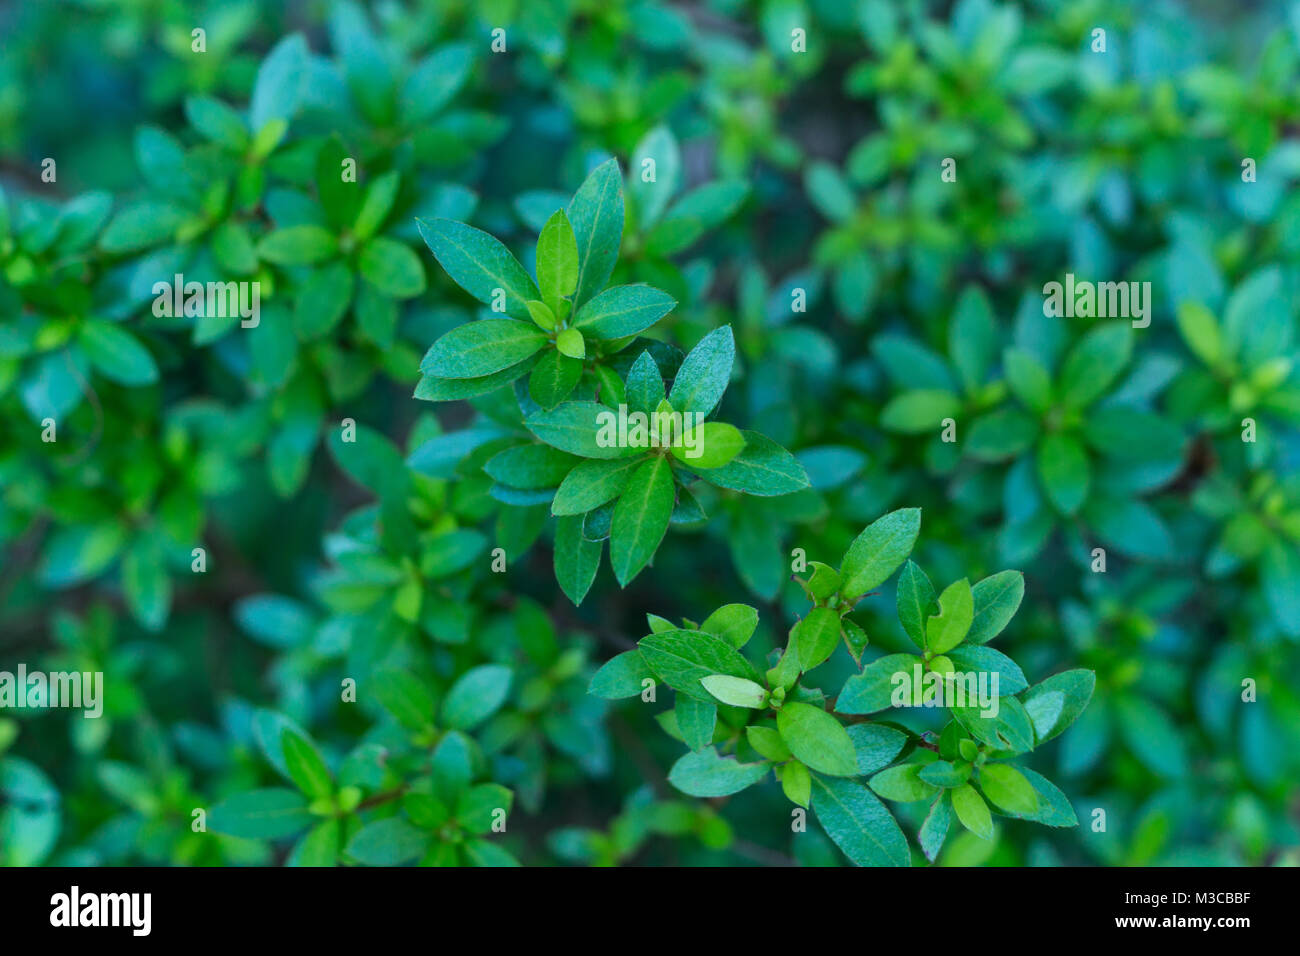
(328, 561)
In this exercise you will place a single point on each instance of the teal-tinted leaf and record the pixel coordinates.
(705, 774)
(873, 689)
(530, 466)
(576, 427)
(645, 385)
(704, 373)
(621, 677)
(696, 720)
(762, 468)
(973, 659)
(261, 814)
(934, 830)
(388, 842)
(481, 348)
(480, 265)
(596, 213)
(622, 311)
(476, 696)
(576, 559)
(859, 824)
(875, 746)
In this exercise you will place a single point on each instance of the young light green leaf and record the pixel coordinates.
(815, 637)
(557, 259)
(736, 691)
(949, 627)
(878, 551)
(817, 739)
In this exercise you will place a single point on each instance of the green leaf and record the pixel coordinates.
(645, 385)
(476, 810)
(949, 627)
(1201, 332)
(762, 468)
(704, 373)
(997, 598)
(640, 518)
(1055, 703)
(575, 427)
(875, 746)
(281, 80)
(1008, 788)
(736, 691)
(261, 814)
(1000, 434)
(480, 264)
(476, 696)
(392, 268)
(902, 784)
(696, 720)
(597, 216)
(878, 551)
(404, 696)
(767, 741)
(622, 311)
(375, 207)
(542, 314)
(1053, 807)
(1027, 379)
(915, 600)
(481, 348)
(389, 842)
(621, 677)
(934, 830)
(1152, 737)
(815, 637)
(298, 246)
(570, 342)
(681, 658)
(651, 197)
(530, 466)
(972, 811)
(974, 659)
(305, 765)
(817, 739)
(1064, 470)
(919, 410)
(557, 259)
(553, 378)
(592, 483)
(216, 121)
(79, 552)
(1094, 363)
(117, 354)
(796, 783)
(859, 824)
(705, 774)
(873, 689)
(318, 847)
(734, 623)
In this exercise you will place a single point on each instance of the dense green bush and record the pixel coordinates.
(339, 557)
